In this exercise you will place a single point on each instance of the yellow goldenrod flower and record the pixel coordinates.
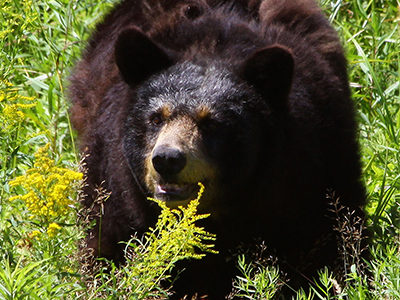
(12, 105)
(176, 232)
(48, 188)
(53, 229)
(174, 237)
(21, 16)
(34, 234)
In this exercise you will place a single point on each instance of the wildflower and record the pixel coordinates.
(176, 233)
(48, 188)
(175, 237)
(34, 235)
(20, 16)
(13, 114)
(12, 105)
(53, 229)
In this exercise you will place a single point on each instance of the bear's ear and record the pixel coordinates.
(270, 71)
(138, 57)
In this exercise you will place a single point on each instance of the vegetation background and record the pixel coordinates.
(39, 229)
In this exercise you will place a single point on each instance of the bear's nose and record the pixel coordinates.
(168, 161)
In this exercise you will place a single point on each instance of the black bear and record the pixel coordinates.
(249, 97)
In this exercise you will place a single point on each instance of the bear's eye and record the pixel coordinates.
(209, 125)
(192, 11)
(156, 120)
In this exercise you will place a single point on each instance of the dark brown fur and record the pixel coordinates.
(301, 143)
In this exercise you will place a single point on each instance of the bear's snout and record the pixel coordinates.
(168, 161)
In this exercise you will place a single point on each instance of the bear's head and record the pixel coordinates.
(202, 120)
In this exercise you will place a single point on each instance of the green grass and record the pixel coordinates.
(39, 43)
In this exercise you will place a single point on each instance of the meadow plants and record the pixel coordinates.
(39, 175)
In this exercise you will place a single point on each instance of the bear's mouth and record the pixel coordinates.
(171, 192)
